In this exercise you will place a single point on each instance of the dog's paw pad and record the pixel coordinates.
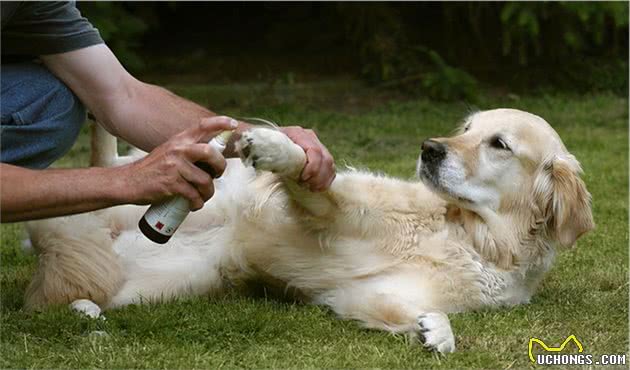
(435, 333)
(270, 150)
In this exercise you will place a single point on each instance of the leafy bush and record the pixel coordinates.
(431, 48)
(445, 82)
(388, 59)
(584, 27)
(588, 39)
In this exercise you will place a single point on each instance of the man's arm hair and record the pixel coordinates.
(144, 115)
(31, 194)
(167, 171)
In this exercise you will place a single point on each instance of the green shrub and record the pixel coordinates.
(582, 43)
(583, 27)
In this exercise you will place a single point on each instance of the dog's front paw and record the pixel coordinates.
(271, 150)
(435, 332)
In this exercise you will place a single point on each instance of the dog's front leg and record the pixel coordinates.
(435, 332)
(268, 149)
(394, 310)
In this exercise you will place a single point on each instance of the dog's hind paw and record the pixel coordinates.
(435, 333)
(88, 308)
(271, 150)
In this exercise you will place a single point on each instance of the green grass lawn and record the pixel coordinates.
(585, 294)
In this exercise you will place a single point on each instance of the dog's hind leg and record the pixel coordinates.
(87, 307)
(76, 261)
(105, 149)
(190, 265)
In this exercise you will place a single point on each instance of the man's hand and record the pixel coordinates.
(169, 169)
(319, 171)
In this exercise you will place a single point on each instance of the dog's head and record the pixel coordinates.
(511, 169)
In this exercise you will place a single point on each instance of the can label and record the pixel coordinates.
(166, 217)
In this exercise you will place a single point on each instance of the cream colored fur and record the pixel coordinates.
(481, 230)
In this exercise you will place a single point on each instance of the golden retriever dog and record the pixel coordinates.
(495, 203)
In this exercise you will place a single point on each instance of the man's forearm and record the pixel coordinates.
(149, 115)
(143, 114)
(146, 115)
(31, 194)
(154, 114)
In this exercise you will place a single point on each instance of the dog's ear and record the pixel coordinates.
(563, 200)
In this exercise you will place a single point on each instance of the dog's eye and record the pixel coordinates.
(498, 143)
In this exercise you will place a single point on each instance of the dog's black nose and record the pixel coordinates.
(433, 151)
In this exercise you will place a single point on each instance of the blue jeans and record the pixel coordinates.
(41, 117)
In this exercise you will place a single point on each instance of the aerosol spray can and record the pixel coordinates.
(161, 220)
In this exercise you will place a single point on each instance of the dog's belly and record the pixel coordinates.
(190, 264)
(200, 239)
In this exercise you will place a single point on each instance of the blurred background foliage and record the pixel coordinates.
(445, 50)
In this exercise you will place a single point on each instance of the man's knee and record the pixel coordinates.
(41, 117)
